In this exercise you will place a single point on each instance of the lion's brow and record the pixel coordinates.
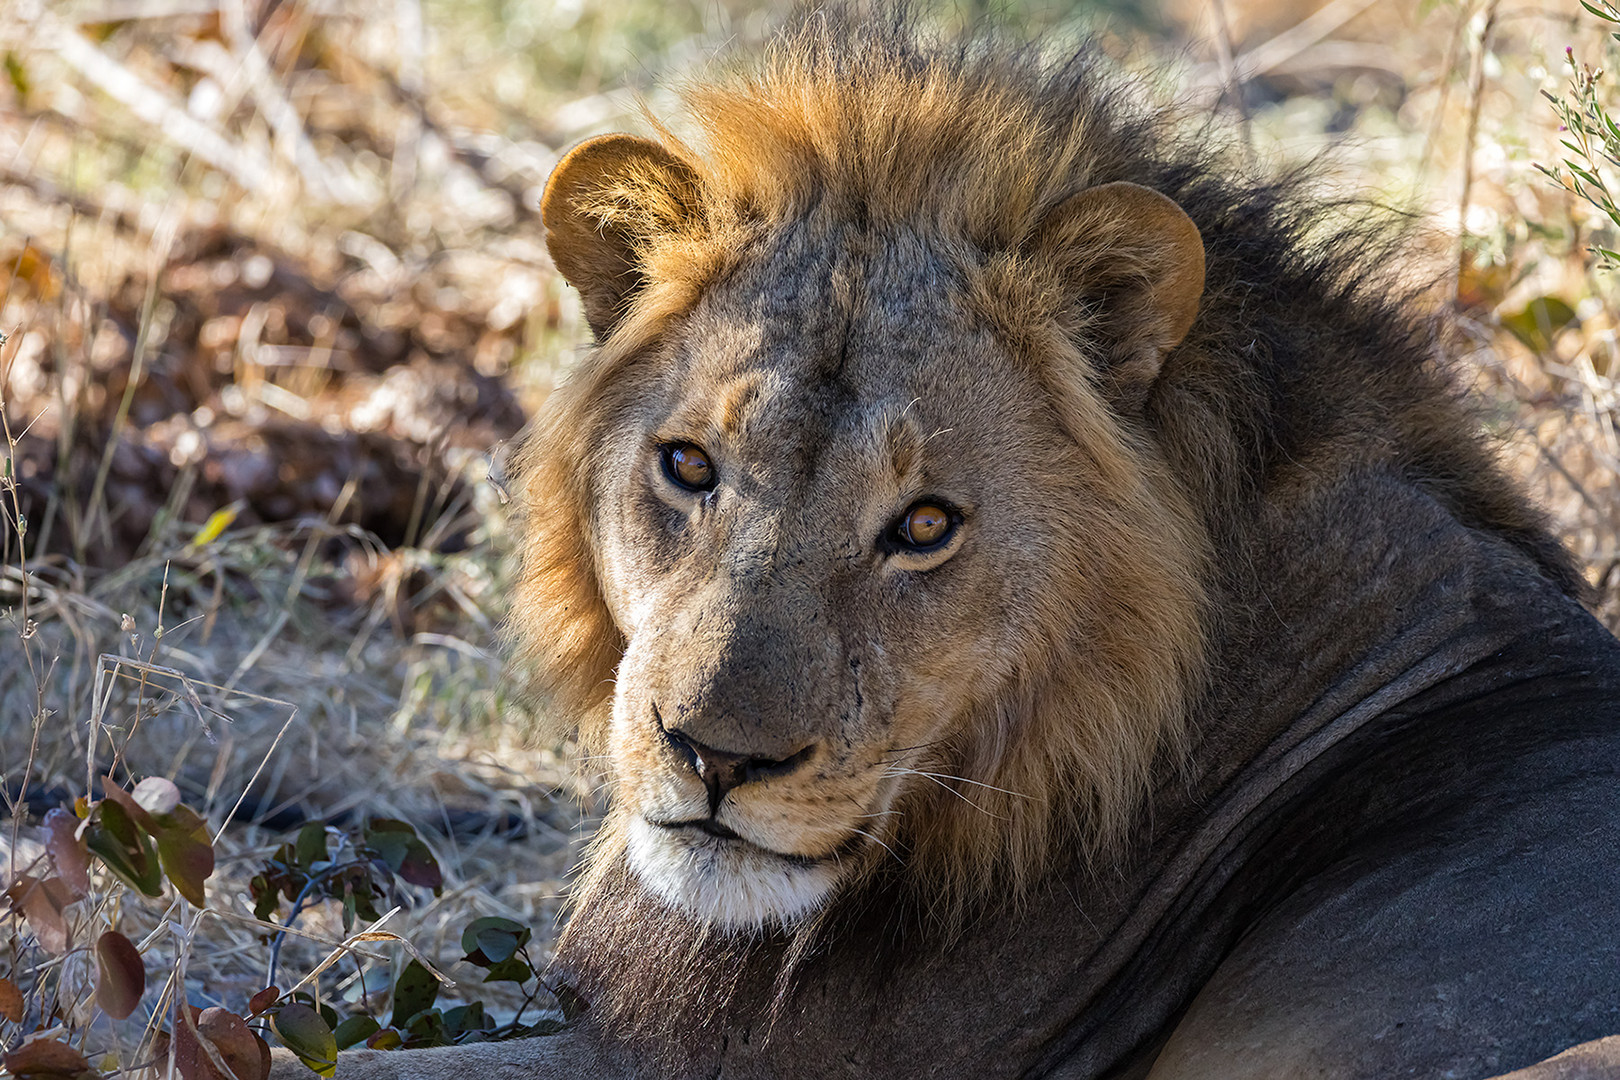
(733, 403)
(904, 442)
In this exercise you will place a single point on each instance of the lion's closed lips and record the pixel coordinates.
(703, 825)
(726, 881)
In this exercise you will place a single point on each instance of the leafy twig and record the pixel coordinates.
(1593, 138)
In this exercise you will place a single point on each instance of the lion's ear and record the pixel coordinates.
(1134, 262)
(604, 201)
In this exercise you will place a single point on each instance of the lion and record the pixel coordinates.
(1045, 607)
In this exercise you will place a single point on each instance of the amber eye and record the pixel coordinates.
(925, 525)
(688, 466)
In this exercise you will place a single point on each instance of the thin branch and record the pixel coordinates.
(1299, 37)
(1230, 78)
(1476, 93)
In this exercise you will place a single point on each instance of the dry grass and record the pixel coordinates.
(279, 262)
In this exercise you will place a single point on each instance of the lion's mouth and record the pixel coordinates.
(712, 827)
(706, 825)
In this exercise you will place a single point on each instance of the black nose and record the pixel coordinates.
(722, 770)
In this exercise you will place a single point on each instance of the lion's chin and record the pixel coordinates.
(729, 884)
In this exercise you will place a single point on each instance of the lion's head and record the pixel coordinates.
(850, 545)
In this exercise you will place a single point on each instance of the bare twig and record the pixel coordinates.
(1229, 74)
(163, 244)
(1476, 89)
(408, 130)
(1296, 39)
(1453, 46)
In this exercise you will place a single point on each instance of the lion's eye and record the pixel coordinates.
(688, 466)
(925, 525)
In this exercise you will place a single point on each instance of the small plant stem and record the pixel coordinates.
(297, 909)
(1476, 93)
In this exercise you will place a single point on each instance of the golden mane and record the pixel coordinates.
(972, 146)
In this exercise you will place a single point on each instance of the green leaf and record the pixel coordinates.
(186, 855)
(391, 847)
(365, 894)
(264, 897)
(465, 1018)
(112, 836)
(1540, 322)
(491, 939)
(1584, 174)
(389, 837)
(121, 798)
(311, 846)
(426, 1028)
(301, 1030)
(398, 845)
(356, 1029)
(415, 990)
(512, 969)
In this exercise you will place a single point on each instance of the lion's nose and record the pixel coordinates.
(722, 770)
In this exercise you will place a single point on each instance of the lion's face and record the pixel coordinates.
(817, 529)
(875, 584)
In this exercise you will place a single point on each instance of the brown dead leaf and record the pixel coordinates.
(245, 1054)
(68, 852)
(120, 975)
(42, 903)
(46, 1059)
(11, 1001)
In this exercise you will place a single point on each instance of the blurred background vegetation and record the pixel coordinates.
(273, 291)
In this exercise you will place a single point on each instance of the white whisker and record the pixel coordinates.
(962, 780)
(947, 787)
(880, 844)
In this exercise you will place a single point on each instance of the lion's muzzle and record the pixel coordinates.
(722, 770)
